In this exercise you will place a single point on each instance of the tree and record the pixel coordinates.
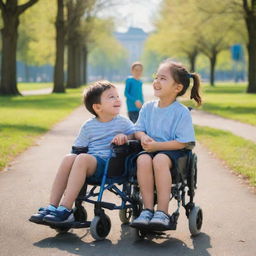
(250, 21)
(11, 12)
(58, 80)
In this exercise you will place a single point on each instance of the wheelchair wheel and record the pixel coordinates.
(100, 227)
(80, 214)
(62, 230)
(125, 215)
(138, 234)
(195, 220)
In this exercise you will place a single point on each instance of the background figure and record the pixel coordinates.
(133, 91)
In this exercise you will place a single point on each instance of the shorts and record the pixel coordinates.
(98, 175)
(174, 155)
(133, 116)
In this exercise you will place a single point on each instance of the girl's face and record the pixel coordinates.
(164, 84)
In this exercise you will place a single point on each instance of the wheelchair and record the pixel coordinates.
(120, 179)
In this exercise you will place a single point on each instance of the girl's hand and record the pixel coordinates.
(150, 146)
(120, 139)
(138, 104)
(148, 143)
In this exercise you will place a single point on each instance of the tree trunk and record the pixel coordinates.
(10, 11)
(9, 40)
(85, 55)
(59, 86)
(212, 68)
(251, 47)
(26, 72)
(192, 60)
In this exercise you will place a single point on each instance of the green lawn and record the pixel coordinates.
(238, 153)
(230, 101)
(33, 86)
(24, 118)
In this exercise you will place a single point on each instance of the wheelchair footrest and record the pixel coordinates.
(75, 224)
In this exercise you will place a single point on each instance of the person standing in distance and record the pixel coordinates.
(133, 91)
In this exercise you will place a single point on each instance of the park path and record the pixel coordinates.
(228, 204)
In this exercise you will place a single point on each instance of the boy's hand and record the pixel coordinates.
(120, 139)
(138, 104)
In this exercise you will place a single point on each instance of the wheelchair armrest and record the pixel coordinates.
(79, 150)
(132, 146)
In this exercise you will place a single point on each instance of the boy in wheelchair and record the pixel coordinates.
(97, 134)
(166, 132)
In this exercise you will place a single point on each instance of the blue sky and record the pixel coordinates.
(140, 13)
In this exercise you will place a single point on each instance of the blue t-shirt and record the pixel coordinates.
(97, 136)
(173, 122)
(133, 92)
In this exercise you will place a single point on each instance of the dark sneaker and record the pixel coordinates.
(160, 221)
(42, 212)
(60, 216)
(143, 220)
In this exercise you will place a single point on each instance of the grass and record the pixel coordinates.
(22, 119)
(238, 153)
(230, 101)
(33, 86)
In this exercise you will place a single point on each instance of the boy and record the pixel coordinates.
(133, 91)
(97, 133)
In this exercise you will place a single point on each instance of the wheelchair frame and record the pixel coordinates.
(131, 203)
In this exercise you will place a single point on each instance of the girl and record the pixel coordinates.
(165, 130)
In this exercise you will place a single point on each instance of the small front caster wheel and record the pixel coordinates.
(125, 215)
(195, 220)
(100, 227)
(62, 230)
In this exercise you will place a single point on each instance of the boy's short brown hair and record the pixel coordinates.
(93, 94)
(136, 63)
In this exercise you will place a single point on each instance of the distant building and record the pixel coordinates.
(133, 40)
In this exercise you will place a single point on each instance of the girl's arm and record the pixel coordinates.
(151, 146)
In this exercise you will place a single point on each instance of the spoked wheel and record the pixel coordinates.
(195, 220)
(125, 215)
(80, 214)
(100, 227)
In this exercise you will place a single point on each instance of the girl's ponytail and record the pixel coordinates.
(195, 89)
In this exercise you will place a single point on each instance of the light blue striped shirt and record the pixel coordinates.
(173, 122)
(97, 136)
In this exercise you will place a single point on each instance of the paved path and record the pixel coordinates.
(228, 204)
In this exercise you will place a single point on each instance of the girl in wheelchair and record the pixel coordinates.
(165, 130)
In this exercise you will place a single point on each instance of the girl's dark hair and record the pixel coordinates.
(92, 95)
(182, 76)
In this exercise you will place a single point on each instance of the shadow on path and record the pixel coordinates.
(164, 245)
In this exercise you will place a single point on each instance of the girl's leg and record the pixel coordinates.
(84, 165)
(61, 179)
(163, 179)
(146, 180)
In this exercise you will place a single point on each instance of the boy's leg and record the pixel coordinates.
(61, 179)
(146, 180)
(163, 180)
(84, 165)
(58, 188)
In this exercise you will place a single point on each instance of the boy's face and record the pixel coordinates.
(110, 104)
(137, 71)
